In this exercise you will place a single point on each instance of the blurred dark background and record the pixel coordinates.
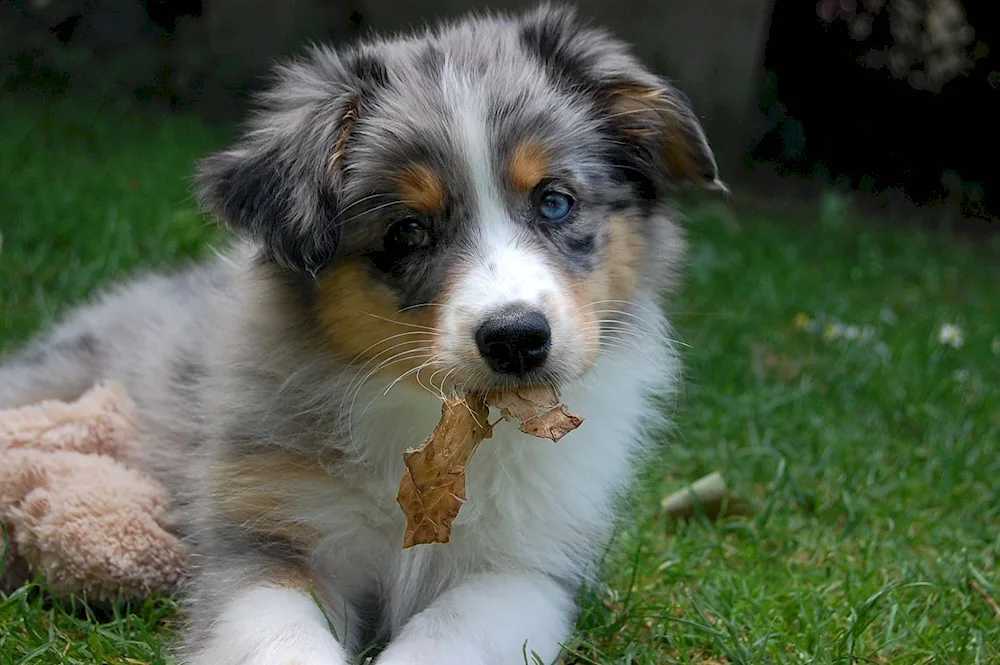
(894, 101)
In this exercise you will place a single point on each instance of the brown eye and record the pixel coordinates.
(406, 236)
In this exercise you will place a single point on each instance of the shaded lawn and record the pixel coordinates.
(869, 452)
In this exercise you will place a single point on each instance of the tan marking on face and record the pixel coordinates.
(621, 260)
(645, 112)
(421, 188)
(263, 493)
(528, 165)
(363, 323)
(615, 279)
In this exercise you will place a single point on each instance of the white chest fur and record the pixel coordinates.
(532, 504)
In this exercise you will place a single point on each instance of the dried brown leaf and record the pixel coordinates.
(432, 490)
(538, 409)
(554, 424)
(523, 403)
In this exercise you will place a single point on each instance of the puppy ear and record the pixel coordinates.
(278, 184)
(659, 123)
(651, 119)
(258, 191)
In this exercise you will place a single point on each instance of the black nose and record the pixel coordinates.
(515, 343)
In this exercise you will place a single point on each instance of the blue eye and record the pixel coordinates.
(555, 206)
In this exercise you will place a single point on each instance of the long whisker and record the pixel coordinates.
(383, 341)
(610, 346)
(619, 325)
(430, 384)
(399, 357)
(375, 358)
(619, 312)
(612, 326)
(621, 330)
(629, 303)
(448, 377)
(363, 199)
(419, 305)
(343, 222)
(399, 378)
(404, 323)
(448, 372)
(414, 370)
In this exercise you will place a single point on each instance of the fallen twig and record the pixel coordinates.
(986, 596)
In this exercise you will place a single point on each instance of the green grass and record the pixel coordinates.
(873, 463)
(88, 194)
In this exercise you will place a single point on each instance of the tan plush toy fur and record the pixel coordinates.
(71, 507)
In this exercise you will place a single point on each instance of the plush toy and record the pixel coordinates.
(72, 509)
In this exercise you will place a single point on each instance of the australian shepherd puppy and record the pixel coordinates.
(478, 206)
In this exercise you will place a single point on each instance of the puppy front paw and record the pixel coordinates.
(267, 626)
(266, 655)
(429, 653)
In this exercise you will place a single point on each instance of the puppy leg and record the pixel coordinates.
(264, 617)
(490, 619)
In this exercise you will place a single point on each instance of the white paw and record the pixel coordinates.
(271, 626)
(428, 654)
(266, 655)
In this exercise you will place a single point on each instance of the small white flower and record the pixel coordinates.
(833, 331)
(951, 335)
(888, 316)
(852, 332)
(960, 375)
(995, 345)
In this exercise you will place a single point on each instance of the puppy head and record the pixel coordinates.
(479, 205)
